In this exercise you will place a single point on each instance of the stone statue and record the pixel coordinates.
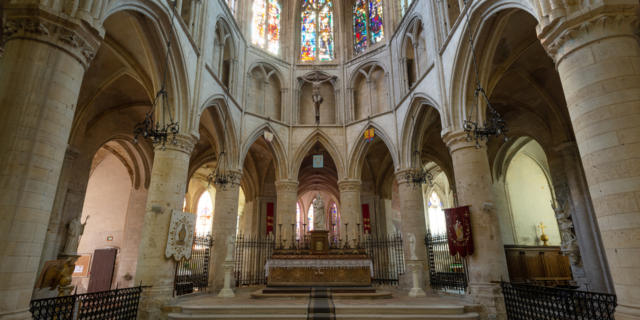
(318, 214)
(74, 232)
(230, 250)
(412, 246)
(569, 243)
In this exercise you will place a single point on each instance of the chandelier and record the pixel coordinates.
(164, 128)
(493, 125)
(420, 176)
(220, 176)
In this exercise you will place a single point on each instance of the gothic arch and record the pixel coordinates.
(359, 150)
(224, 52)
(361, 90)
(264, 78)
(412, 128)
(461, 85)
(222, 118)
(307, 144)
(276, 146)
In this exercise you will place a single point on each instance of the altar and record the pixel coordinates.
(353, 270)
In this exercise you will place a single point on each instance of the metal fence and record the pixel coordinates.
(121, 304)
(192, 275)
(446, 272)
(528, 302)
(387, 256)
(251, 254)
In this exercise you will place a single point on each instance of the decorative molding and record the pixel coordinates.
(286, 186)
(184, 143)
(73, 36)
(578, 28)
(349, 185)
(457, 140)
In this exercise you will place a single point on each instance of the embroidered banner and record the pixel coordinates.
(180, 237)
(459, 231)
(369, 134)
(366, 219)
(270, 219)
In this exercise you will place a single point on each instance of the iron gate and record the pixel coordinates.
(387, 256)
(192, 275)
(446, 272)
(251, 254)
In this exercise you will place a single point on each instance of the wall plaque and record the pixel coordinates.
(180, 237)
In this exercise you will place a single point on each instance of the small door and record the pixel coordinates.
(104, 261)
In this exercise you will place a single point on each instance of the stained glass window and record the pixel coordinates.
(298, 230)
(368, 28)
(232, 5)
(335, 219)
(316, 33)
(404, 4)
(310, 218)
(204, 219)
(266, 25)
(437, 224)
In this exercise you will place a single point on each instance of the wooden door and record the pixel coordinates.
(104, 261)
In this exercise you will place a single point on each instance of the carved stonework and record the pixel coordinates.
(286, 186)
(180, 237)
(184, 143)
(349, 185)
(569, 245)
(76, 39)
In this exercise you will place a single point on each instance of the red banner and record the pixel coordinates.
(366, 219)
(270, 217)
(459, 231)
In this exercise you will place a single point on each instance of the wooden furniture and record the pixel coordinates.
(540, 265)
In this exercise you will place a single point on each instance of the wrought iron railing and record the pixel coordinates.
(446, 272)
(387, 256)
(192, 275)
(119, 304)
(251, 254)
(528, 302)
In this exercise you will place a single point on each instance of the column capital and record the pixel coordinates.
(184, 143)
(457, 140)
(235, 178)
(73, 35)
(404, 176)
(286, 186)
(565, 28)
(349, 185)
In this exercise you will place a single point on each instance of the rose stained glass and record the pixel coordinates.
(360, 26)
(375, 21)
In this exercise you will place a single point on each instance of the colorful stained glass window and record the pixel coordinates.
(316, 33)
(335, 219)
(298, 230)
(360, 26)
(368, 26)
(204, 218)
(266, 25)
(310, 217)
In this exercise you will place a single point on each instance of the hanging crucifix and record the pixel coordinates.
(316, 79)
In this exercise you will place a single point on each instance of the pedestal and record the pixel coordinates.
(227, 292)
(319, 242)
(417, 268)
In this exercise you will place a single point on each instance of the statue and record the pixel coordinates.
(316, 79)
(412, 246)
(230, 251)
(74, 232)
(318, 213)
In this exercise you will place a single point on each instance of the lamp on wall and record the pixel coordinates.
(164, 128)
(493, 124)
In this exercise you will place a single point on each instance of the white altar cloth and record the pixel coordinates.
(318, 264)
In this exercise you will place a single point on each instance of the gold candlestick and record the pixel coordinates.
(543, 237)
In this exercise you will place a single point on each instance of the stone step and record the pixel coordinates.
(464, 316)
(293, 309)
(398, 309)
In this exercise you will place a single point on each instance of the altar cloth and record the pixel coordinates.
(319, 264)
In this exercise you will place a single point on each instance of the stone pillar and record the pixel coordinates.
(225, 219)
(413, 229)
(351, 210)
(597, 55)
(45, 58)
(488, 264)
(166, 192)
(287, 197)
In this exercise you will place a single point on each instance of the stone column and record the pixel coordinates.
(287, 197)
(413, 229)
(597, 56)
(351, 210)
(488, 264)
(45, 58)
(225, 219)
(166, 192)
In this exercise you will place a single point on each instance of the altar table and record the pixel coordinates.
(314, 270)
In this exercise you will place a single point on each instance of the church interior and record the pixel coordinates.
(320, 159)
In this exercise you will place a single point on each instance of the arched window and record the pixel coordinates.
(437, 222)
(367, 24)
(205, 214)
(316, 36)
(335, 219)
(404, 6)
(298, 230)
(266, 25)
(310, 217)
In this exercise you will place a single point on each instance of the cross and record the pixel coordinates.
(542, 226)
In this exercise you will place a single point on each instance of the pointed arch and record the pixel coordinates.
(222, 119)
(412, 127)
(306, 145)
(276, 146)
(359, 151)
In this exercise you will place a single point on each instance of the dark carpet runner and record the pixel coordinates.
(321, 305)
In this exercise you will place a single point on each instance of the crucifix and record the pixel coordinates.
(543, 237)
(317, 101)
(316, 79)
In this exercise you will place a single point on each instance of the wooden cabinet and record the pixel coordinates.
(544, 266)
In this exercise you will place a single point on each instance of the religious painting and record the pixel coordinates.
(366, 219)
(459, 231)
(180, 237)
(270, 217)
(318, 161)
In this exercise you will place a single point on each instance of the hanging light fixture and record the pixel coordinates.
(221, 176)
(420, 176)
(164, 128)
(493, 124)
